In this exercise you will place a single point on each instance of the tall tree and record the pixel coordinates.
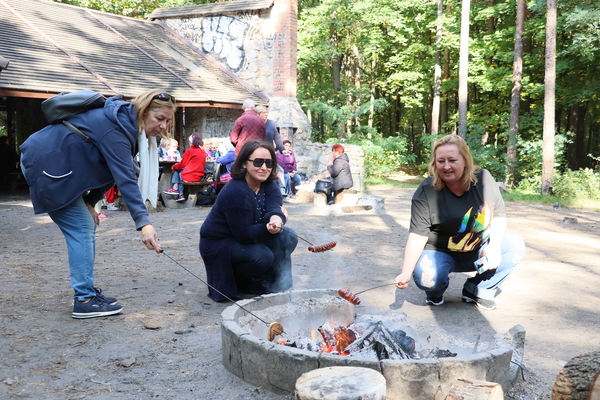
(549, 99)
(463, 74)
(435, 109)
(515, 101)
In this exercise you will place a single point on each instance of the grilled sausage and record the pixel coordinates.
(349, 296)
(322, 247)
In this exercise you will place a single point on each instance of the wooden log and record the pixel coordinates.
(336, 383)
(579, 379)
(470, 389)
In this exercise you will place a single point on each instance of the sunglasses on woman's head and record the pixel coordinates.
(164, 97)
(258, 162)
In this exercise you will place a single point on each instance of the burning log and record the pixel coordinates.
(372, 341)
(379, 340)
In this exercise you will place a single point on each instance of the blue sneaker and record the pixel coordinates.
(110, 300)
(96, 307)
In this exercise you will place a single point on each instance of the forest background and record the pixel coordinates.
(366, 76)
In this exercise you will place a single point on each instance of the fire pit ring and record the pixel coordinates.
(248, 354)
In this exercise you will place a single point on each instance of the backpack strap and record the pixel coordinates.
(76, 131)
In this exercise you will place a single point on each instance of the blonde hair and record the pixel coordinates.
(468, 176)
(146, 102)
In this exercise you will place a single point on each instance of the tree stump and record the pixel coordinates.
(470, 389)
(579, 379)
(341, 383)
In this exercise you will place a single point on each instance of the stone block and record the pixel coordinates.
(255, 363)
(294, 362)
(410, 380)
(473, 366)
(331, 360)
(231, 334)
(500, 367)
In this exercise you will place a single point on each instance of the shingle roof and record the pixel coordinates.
(214, 8)
(55, 48)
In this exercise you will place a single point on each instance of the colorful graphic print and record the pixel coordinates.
(473, 230)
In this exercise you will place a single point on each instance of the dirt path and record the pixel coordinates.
(166, 344)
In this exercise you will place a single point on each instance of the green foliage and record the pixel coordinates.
(529, 162)
(385, 155)
(584, 183)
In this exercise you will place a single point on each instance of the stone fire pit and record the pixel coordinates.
(248, 354)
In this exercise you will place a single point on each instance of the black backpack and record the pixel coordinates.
(61, 107)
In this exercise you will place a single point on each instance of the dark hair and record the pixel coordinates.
(337, 147)
(237, 169)
(196, 139)
(287, 141)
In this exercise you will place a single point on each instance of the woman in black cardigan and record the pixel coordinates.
(243, 242)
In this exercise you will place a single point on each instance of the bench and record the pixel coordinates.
(194, 188)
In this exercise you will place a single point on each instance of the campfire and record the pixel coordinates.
(319, 327)
(364, 339)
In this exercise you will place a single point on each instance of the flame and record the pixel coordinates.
(313, 335)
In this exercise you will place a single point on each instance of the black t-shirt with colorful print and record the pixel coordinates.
(456, 223)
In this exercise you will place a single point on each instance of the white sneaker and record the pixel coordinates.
(111, 207)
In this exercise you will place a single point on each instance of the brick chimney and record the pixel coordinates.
(285, 20)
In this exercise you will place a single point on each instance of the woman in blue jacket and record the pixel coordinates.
(67, 176)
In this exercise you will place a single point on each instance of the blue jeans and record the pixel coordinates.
(79, 230)
(265, 267)
(434, 267)
(288, 185)
(176, 178)
(296, 181)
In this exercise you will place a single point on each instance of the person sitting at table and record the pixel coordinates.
(214, 149)
(163, 149)
(243, 242)
(229, 158)
(173, 150)
(190, 169)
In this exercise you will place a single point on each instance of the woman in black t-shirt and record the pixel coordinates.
(458, 224)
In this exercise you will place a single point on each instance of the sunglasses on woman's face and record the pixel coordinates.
(258, 162)
(164, 97)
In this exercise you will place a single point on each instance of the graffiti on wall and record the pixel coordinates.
(223, 38)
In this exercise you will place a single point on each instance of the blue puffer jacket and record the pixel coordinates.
(59, 166)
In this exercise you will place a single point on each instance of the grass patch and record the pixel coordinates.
(529, 197)
(514, 195)
(396, 180)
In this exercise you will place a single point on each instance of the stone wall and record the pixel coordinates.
(254, 44)
(241, 41)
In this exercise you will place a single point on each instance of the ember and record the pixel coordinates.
(373, 341)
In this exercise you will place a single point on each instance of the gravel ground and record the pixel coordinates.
(166, 343)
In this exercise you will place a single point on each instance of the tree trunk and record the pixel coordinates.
(515, 101)
(437, 84)
(580, 137)
(336, 67)
(445, 101)
(579, 379)
(549, 99)
(463, 74)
